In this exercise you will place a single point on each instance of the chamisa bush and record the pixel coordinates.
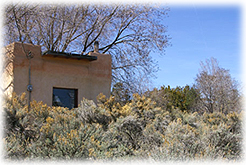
(110, 130)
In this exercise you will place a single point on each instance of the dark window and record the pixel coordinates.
(65, 97)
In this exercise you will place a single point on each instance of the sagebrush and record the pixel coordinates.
(109, 130)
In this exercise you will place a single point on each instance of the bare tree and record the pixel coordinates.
(218, 90)
(128, 32)
(7, 74)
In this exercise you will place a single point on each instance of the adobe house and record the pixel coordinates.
(57, 79)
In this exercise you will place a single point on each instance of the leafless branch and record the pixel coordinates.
(127, 32)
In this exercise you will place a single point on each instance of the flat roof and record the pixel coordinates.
(69, 55)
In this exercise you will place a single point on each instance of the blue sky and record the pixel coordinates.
(198, 33)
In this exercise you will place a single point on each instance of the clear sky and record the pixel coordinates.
(198, 33)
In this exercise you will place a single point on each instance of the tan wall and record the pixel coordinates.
(89, 77)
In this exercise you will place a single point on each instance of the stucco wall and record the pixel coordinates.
(89, 77)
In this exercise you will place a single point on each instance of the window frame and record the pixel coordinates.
(75, 95)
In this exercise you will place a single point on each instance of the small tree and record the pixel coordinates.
(121, 95)
(218, 90)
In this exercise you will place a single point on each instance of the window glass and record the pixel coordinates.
(65, 97)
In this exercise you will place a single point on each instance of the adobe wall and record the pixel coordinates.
(89, 77)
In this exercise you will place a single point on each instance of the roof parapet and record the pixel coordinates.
(69, 55)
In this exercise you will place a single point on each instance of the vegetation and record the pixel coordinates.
(183, 123)
(112, 130)
(185, 98)
(218, 90)
(128, 32)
